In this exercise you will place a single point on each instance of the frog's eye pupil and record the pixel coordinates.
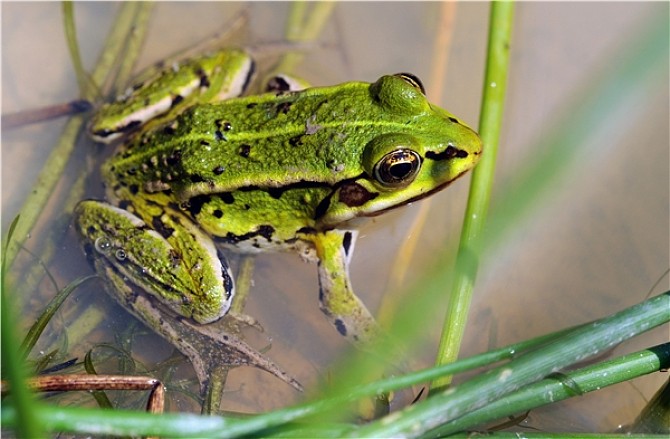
(400, 170)
(397, 168)
(413, 80)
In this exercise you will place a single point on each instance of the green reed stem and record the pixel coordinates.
(448, 405)
(55, 164)
(134, 45)
(13, 369)
(550, 390)
(299, 28)
(26, 424)
(413, 421)
(490, 122)
(73, 47)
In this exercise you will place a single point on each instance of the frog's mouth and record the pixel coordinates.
(366, 196)
(413, 199)
(448, 154)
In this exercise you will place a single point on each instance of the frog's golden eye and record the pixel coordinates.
(397, 168)
(412, 80)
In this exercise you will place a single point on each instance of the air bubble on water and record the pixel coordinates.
(103, 245)
(121, 254)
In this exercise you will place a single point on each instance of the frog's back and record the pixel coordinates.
(319, 137)
(264, 141)
(316, 135)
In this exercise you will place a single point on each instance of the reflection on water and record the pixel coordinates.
(596, 245)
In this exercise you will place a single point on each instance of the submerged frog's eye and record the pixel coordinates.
(397, 168)
(412, 80)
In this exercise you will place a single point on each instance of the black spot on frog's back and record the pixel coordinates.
(227, 197)
(284, 107)
(159, 226)
(194, 205)
(174, 158)
(306, 230)
(244, 150)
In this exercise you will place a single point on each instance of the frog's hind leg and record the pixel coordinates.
(338, 301)
(178, 266)
(208, 347)
(171, 258)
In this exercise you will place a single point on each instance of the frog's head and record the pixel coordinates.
(420, 154)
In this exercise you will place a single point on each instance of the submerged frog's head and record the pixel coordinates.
(429, 149)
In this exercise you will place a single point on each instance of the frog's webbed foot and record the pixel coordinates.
(337, 299)
(206, 346)
(234, 322)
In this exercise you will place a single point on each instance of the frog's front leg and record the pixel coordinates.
(170, 259)
(338, 301)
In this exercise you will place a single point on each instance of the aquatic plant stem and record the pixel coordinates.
(13, 368)
(448, 405)
(414, 421)
(55, 164)
(500, 30)
(134, 45)
(299, 28)
(554, 389)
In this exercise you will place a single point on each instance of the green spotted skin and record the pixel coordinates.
(172, 89)
(280, 171)
(299, 160)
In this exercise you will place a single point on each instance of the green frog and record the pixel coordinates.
(206, 168)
